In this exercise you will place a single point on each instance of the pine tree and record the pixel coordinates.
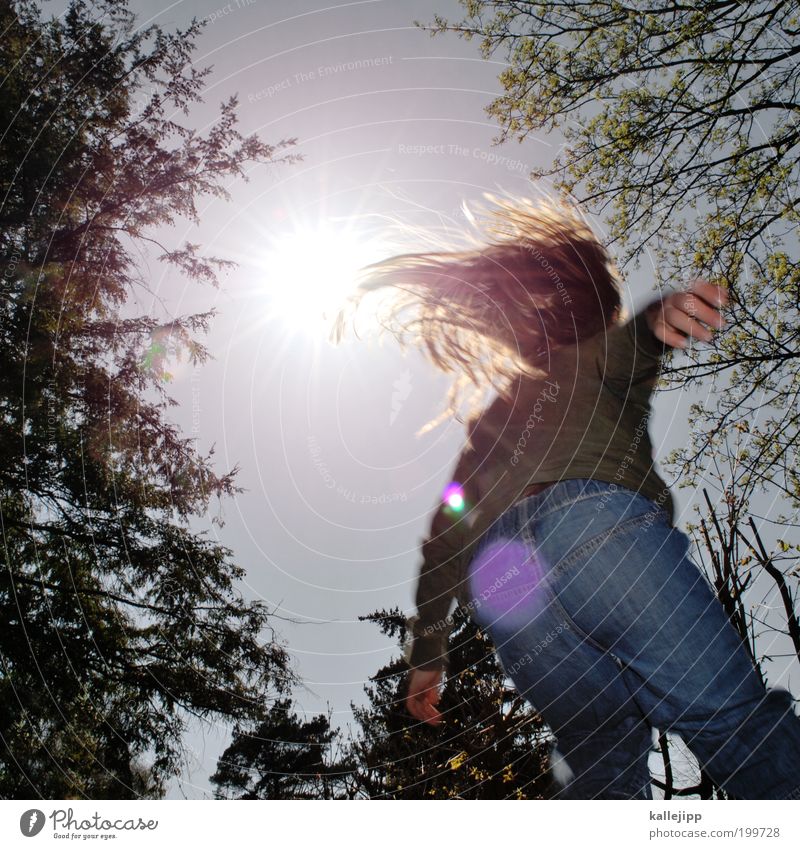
(490, 745)
(285, 757)
(120, 620)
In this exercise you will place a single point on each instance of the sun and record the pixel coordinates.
(310, 271)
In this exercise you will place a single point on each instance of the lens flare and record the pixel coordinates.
(453, 497)
(505, 578)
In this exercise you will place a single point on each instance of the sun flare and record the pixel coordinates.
(309, 272)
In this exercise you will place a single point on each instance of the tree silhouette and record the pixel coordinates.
(490, 745)
(285, 758)
(120, 620)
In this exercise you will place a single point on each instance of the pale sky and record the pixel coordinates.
(390, 122)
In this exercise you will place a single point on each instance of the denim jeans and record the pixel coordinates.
(609, 629)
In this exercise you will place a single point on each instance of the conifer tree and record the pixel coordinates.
(120, 619)
(490, 745)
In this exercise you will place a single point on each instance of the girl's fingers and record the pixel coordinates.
(423, 695)
(430, 714)
(697, 307)
(421, 708)
(667, 334)
(684, 315)
(689, 313)
(679, 319)
(715, 295)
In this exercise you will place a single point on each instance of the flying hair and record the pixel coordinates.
(532, 277)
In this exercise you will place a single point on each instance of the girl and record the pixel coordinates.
(557, 532)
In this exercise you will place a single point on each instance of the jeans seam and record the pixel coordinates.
(565, 503)
(570, 500)
(556, 602)
(590, 544)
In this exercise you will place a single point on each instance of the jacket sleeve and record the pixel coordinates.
(628, 356)
(446, 550)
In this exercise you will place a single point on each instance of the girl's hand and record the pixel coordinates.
(678, 317)
(423, 695)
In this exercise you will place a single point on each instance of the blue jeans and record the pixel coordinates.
(609, 629)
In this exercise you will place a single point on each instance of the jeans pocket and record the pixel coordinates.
(563, 533)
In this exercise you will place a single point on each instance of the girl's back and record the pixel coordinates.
(584, 416)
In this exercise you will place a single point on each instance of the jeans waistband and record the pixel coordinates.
(561, 493)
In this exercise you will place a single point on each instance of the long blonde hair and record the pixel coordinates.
(535, 277)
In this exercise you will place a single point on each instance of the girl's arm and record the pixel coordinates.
(446, 549)
(628, 356)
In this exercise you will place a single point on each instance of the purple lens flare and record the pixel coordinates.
(505, 581)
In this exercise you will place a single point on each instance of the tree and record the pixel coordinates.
(490, 745)
(120, 619)
(285, 758)
(681, 129)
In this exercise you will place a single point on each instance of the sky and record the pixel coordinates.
(338, 490)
